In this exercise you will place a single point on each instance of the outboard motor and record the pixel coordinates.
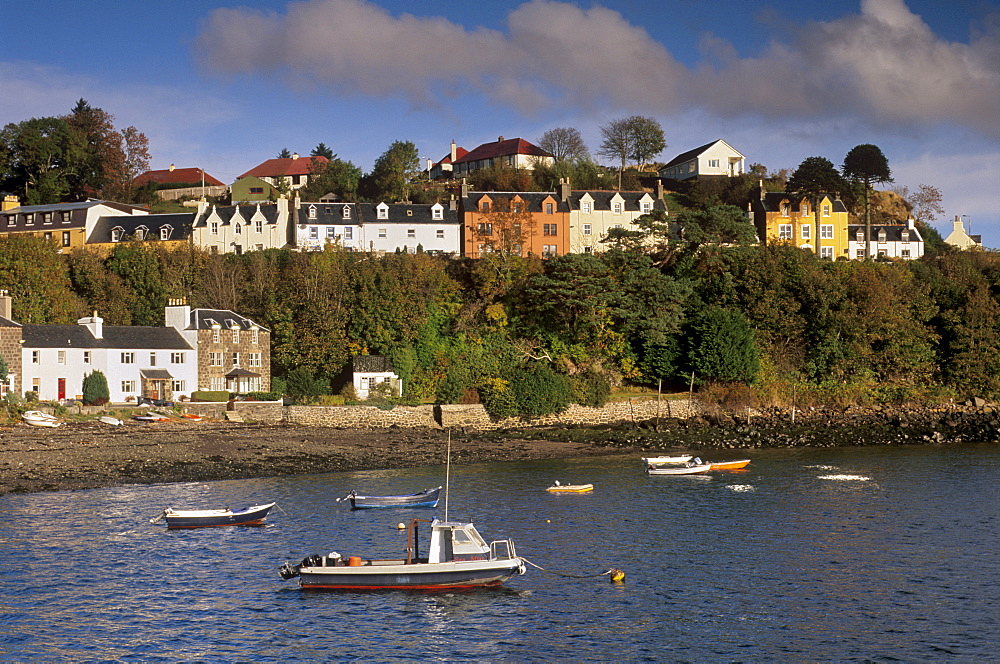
(288, 571)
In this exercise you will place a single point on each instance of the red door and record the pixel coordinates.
(62, 389)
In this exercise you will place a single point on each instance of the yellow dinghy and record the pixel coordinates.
(570, 488)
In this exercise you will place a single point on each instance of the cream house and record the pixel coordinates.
(715, 159)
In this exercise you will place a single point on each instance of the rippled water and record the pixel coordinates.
(871, 554)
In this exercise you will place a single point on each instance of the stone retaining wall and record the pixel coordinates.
(362, 417)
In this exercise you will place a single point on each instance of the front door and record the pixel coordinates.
(62, 389)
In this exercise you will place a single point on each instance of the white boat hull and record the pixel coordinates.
(383, 574)
(696, 469)
(37, 418)
(661, 460)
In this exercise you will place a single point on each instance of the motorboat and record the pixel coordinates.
(428, 498)
(248, 516)
(457, 558)
(730, 465)
(694, 467)
(665, 460)
(570, 488)
(37, 418)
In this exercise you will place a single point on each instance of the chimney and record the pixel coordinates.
(452, 203)
(5, 304)
(500, 140)
(295, 155)
(10, 202)
(760, 187)
(171, 167)
(564, 189)
(660, 191)
(465, 188)
(177, 313)
(454, 151)
(958, 224)
(95, 324)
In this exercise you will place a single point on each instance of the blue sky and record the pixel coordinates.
(226, 85)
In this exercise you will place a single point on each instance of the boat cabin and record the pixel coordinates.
(454, 541)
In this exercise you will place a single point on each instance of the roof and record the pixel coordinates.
(246, 211)
(692, 154)
(238, 372)
(155, 374)
(893, 232)
(179, 222)
(503, 147)
(330, 214)
(459, 153)
(772, 201)
(284, 167)
(123, 337)
(205, 319)
(371, 364)
(534, 199)
(602, 199)
(177, 176)
(6, 322)
(80, 205)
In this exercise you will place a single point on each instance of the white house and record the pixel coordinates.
(593, 213)
(887, 241)
(511, 152)
(364, 372)
(237, 229)
(154, 362)
(959, 238)
(381, 227)
(715, 159)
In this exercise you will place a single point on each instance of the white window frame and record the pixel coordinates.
(805, 231)
(785, 232)
(127, 357)
(587, 229)
(826, 231)
(177, 358)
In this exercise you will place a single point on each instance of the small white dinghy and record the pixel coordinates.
(37, 418)
(693, 467)
(107, 419)
(667, 460)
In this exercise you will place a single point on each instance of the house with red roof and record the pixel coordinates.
(445, 167)
(174, 183)
(512, 152)
(294, 170)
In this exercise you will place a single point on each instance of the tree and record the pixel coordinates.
(866, 164)
(34, 159)
(335, 176)
(815, 177)
(284, 154)
(392, 173)
(637, 138)
(322, 150)
(123, 168)
(565, 144)
(95, 389)
(722, 347)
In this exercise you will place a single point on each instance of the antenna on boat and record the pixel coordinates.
(447, 476)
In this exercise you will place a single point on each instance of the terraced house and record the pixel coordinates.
(820, 224)
(69, 225)
(236, 229)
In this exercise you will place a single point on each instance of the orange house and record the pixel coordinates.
(519, 223)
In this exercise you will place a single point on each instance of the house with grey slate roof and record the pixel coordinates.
(173, 228)
(68, 224)
(233, 352)
(237, 229)
(593, 213)
(887, 241)
(715, 159)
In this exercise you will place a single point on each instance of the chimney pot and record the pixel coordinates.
(171, 167)
(500, 140)
(295, 155)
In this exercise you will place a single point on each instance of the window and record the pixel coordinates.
(713, 163)
(439, 234)
(67, 217)
(382, 233)
(258, 226)
(484, 206)
(46, 217)
(237, 228)
(165, 232)
(860, 236)
(860, 253)
(409, 213)
(48, 236)
(348, 232)
(297, 179)
(548, 250)
(313, 233)
(214, 228)
(586, 207)
(437, 213)
(117, 233)
(411, 232)
(312, 212)
(826, 252)
(548, 208)
(826, 210)
(34, 385)
(647, 207)
(881, 235)
(259, 247)
(236, 359)
(347, 212)
(587, 229)
(215, 359)
(905, 253)
(65, 238)
(588, 250)
(382, 212)
(485, 229)
(331, 233)
(905, 236)
(216, 332)
(255, 359)
(236, 335)
(152, 359)
(256, 190)
(517, 207)
(826, 231)
(128, 386)
(86, 357)
(255, 335)
(550, 229)
(178, 386)
(29, 220)
(217, 383)
(177, 358)
(140, 233)
(784, 231)
(61, 357)
(806, 231)
(11, 219)
(617, 208)
(128, 358)
(805, 209)
(785, 209)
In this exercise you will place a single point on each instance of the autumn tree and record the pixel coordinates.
(866, 164)
(504, 228)
(635, 138)
(565, 144)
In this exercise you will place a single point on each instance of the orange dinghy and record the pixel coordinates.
(730, 465)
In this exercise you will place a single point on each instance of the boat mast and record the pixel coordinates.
(447, 476)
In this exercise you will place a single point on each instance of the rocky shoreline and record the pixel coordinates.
(90, 454)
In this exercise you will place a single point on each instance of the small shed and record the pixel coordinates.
(366, 371)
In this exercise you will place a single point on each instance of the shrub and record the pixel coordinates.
(264, 396)
(538, 390)
(31, 396)
(95, 389)
(591, 388)
(330, 400)
(302, 385)
(498, 399)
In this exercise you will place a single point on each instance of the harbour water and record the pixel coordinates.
(862, 554)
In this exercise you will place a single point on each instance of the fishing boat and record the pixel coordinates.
(570, 488)
(730, 465)
(693, 467)
(248, 516)
(428, 498)
(457, 558)
(37, 418)
(664, 460)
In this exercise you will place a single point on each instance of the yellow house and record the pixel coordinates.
(818, 225)
(69, 225)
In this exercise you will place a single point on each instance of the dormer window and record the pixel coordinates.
(646, 207)
(140, 233)
(347, 212)
(860, 236)
(67, 217)
(881, 235)
(586, 207)
(785, 209)
(237, 228)
(165, 231)
(29, 219)
(484, 207)
(617, 208)
(437, 212)
(382, 211)
(905, 236)
(116, 234)
(312, 211)
(517, 207)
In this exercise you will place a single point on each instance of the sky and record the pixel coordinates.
(226, 85)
